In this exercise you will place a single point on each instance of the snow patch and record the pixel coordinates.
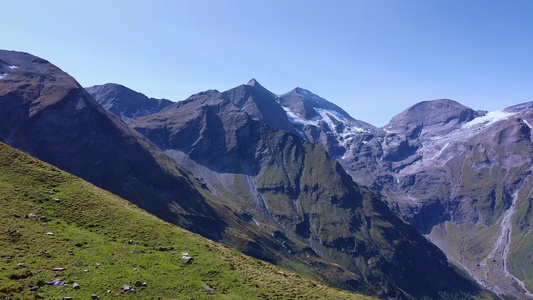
(13, 67)
(256, 222)
(331, 118)
(295, 119)
(442, 149)
(489, 119)
(2, 76)
(327, 113)
(527, 123)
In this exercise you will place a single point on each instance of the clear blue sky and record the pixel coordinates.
(373, 58)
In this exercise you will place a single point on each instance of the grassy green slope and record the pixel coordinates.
(115, 243)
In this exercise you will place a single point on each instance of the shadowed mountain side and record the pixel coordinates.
(209, 129)
(44, 112)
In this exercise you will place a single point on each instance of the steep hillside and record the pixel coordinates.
(59, 232)
(46, 113)
(293, 189)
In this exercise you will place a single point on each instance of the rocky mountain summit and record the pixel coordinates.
(463, 178)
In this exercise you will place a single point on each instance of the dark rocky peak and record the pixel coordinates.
(259, 103)
(124, 102)
(433, 117)
(254, 83)
(210, 129)
(250, 93)
(199, 98)
(190, 108)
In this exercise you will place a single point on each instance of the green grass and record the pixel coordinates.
(128, 244)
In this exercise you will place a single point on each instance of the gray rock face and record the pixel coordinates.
(259, 103)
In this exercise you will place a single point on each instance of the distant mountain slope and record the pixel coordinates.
(124, 102)
(306, 199)
(93, 239)
(464, 178)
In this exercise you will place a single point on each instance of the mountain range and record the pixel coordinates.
(412, 162)
(294, 180)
